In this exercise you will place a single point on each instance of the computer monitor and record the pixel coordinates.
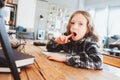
(7, 49)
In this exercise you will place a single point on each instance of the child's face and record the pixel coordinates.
(78, 25)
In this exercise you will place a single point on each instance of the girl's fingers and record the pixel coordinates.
(65, 39)
(69, 35)
(49, 57)
(68, 40)
(62, 38)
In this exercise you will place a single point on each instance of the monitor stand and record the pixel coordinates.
(7, 49)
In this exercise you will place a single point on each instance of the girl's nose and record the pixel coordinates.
(74, 28)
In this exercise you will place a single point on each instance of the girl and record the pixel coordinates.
(79, 41)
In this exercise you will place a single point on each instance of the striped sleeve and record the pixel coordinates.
(90, 59)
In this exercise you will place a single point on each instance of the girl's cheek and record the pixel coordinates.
(71, 29)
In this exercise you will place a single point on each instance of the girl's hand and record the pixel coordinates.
(57, 57)
(63, 39)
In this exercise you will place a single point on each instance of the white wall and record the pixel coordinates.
(25, 13)
(72, 4)
(101, 3)
(26, 10)
(41, 9)
(81, 4)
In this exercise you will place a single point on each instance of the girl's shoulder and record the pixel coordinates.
(89, 42)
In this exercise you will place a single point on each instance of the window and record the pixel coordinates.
(107, 25)
(114, 21)
(100, 20)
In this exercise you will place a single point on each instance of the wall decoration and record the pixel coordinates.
(57, 18)
(41, 34)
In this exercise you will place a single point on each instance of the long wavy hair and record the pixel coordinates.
(91, 34)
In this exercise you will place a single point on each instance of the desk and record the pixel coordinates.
(44, 69)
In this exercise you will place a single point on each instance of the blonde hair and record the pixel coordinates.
(91, 34)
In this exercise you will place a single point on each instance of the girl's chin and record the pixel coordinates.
(76, 38)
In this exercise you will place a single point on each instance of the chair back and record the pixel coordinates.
(20, 29)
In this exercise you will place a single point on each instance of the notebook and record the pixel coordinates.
(7, 70)
(21, 59)
(47, 53)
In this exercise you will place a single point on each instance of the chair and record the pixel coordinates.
(22, 33)
(19, 29)
(19, 34)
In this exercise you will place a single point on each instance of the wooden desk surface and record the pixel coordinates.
(44, 69)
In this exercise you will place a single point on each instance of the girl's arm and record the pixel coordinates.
(56, 44)
(52, 46)
(91, 59)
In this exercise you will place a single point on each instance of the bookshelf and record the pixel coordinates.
(10, 17)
